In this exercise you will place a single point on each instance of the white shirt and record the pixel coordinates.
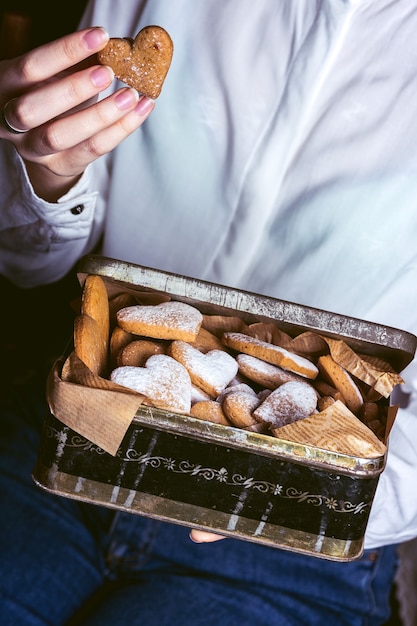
(281, 158)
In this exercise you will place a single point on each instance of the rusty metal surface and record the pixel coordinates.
(396, 345)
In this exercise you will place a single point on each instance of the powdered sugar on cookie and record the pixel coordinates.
(168, 320)
(163, 380)
(271, 353)
(263, 373)
(292, 401)
(211, 371)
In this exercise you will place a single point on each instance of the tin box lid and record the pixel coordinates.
(395, 345)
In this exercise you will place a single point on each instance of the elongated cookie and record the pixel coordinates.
(142, 62)
(263, 373)
(89, 344)
(168, 320)
(342, 380)
(95, 304)
(271, 354)
(118, 340)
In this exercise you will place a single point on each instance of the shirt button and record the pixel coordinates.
(76, 210)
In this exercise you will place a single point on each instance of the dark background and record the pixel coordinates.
(35, 324)
(49, 20)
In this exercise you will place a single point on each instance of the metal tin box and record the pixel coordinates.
(199, 474)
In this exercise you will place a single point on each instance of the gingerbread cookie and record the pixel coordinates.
(271, 354)
(168, 320)
(342, 380)
(290, 402)
(238, 407)
(137, 352)
(211, 371)
(263, 373)
(142, 62)
(95, 304)
(89, 345)
(163, 380)
(211, 411)
(118, 340)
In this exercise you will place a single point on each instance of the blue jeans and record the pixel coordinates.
(59, 556)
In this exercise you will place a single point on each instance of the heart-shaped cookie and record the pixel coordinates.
(163, 380)
(168, 320)
(211, 371)
(142, 62)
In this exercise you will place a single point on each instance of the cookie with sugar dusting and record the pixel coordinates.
(211, 371)
(264, 373)
(271, 354)
(169, 320)
(163, 381)
(290, 402)
(238, 407)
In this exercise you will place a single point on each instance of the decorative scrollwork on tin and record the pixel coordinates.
(222, 475)
(74, 440)
(319, 500)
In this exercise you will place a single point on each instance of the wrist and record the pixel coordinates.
(46, 184)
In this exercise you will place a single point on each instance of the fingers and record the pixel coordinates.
(49, 101)
(41, 105)
(34, 88)
(45, 62)
(201, 536)
(66, 146)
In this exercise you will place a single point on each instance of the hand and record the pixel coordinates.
(201, 536)
(48, 97)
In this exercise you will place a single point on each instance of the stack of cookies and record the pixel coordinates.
(220, 369)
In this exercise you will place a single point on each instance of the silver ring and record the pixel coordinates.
(7, 125)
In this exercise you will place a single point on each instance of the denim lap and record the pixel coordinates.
(56, 553)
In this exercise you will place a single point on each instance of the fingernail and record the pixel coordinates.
(126, 99)
(102, 76)
(96, 38)
(144, 106)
